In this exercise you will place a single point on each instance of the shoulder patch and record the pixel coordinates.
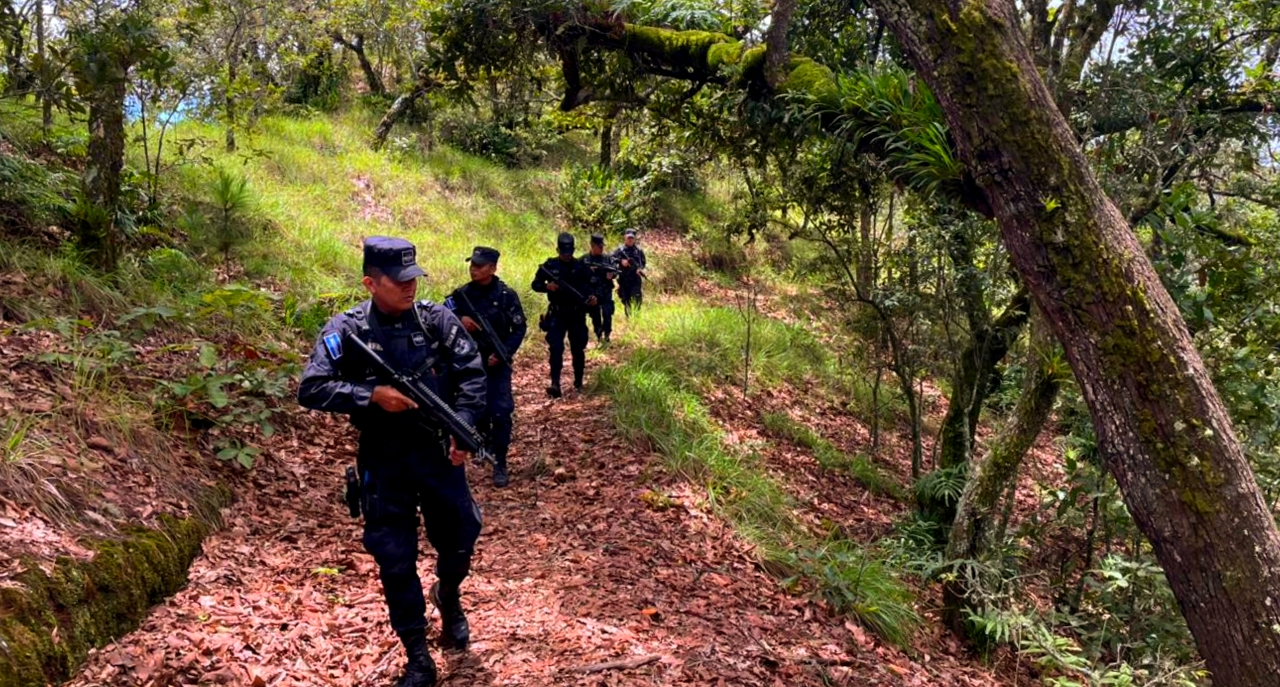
(448, 303)
(333, 343)
(459, 342)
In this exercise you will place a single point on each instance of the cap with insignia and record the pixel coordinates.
(483, 255)
(396, 258)
(630, 233)
(564, 244)
(597, 240)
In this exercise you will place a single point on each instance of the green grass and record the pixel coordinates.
(305, 173)
(690, 339)
(831, 458)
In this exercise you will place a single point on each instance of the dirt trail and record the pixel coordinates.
(573, 570)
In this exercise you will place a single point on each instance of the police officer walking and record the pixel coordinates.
(406, 463)
(567, 283)
(603, 271)
(489, 308)
(631, 264)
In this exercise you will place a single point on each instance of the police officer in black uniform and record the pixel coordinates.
(631, 266)
(567, 283)
(406, 463)
(500, 307)
(603, 271)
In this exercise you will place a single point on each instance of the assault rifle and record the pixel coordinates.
(498, 349)
(428, 402)
(559, 284)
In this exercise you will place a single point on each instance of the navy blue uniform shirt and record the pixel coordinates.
(426, 339)
(500, 305)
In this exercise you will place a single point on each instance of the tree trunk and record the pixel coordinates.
(775, 41)
(606, 143)
(973, 531)
(371, 79)
(229, 105)
(866, 244)
(970, 387)
(1162, 429)
(42, 74)
(400, 107)
(96, 232)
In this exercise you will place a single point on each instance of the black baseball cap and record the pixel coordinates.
(483, 255)
(597, 240)
(564, 243)
(396, 258)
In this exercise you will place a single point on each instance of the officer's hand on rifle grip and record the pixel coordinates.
(592, 301)
(456, 455)
(552, 286)
(391, 400)
(470, 324)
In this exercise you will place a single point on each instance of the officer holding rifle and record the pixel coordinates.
(413, 382)
(491, 311)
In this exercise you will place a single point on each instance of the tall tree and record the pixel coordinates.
(106, 49)
(1164, 432)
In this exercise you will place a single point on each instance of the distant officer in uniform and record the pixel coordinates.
(603, 272)
(406, 463)
(500, 307)
(631, 266)
(567, 283)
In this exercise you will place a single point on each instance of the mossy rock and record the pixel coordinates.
(50, 622)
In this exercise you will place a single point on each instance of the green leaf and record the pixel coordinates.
(217, 395)
(245, 458)
(228, 453)
(208, 355)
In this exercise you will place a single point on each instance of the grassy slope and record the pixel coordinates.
(325, 190)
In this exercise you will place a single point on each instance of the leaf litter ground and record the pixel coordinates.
(578, 580)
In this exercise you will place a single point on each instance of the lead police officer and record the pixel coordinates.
(406, 464)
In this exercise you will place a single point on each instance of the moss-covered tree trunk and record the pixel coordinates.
(974, 530)
(96, 226)
(989, 342)
(1163, 430)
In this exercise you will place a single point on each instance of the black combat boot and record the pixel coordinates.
(554, 391)
(420, 670)
(500, 473)
(453, 621)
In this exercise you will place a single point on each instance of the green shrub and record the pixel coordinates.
(593, 199)
(228, 221)
(509, 145)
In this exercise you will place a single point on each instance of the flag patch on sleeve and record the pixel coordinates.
(333, 342)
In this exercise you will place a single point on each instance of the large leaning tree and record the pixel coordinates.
(1164, 431)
